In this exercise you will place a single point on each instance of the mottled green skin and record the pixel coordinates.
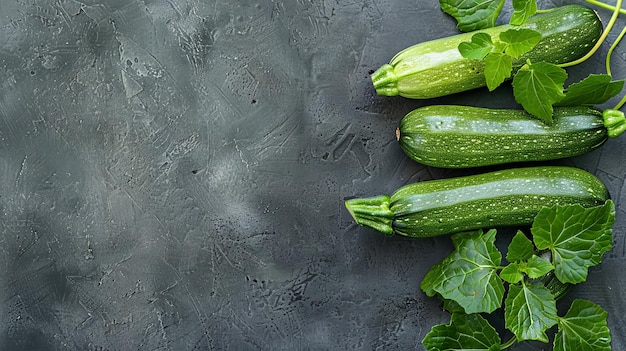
(502, 198)
(448, 136)
(436, 68)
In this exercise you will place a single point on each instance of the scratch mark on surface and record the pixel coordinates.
(267, 142)
(241, 154)
(229, 103)
(201, 317)
(9, 127)
(183, 147)
(124, 43)
(23, 249)
(20, 173)
(287, 137)
(131, 86)
(108, 272)
(219, 248)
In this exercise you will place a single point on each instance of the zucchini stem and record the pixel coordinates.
(385, 81)
(614, 122)
(372, 212)
(601, 40)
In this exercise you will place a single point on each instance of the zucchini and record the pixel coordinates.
(436, 68)
(552, 283)
(449, 136)
(501, 198)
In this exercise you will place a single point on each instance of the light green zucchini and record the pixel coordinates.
(436, 68)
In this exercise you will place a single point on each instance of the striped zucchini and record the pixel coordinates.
(556, 287)
(436, 68)
(502, 198)
(448, 136)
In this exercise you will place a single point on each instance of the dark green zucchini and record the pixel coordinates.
(436, 68)
(556, 287)
(502, 198)
(449, 136)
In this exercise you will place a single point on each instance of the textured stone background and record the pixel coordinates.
(172, 176)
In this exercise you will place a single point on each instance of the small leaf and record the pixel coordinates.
(594, 90)
(519, 41)
(469, 274)
(578, 237)
(498, 68)
(520, 249)
(512, 274)
(530, 310)
(537, 86)
(536, 267)
(479, 46)
(464, 332)
(522, 10)
(473, 14)
(584, 328)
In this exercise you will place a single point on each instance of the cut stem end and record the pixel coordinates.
(614, 121)
(385, 81)
(372, 212)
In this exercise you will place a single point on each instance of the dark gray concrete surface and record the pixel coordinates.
(173, 175)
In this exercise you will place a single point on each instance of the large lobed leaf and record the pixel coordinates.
(530, 310)
(468, 275)
(578, 237)
(595, 89)
(519, 41)
(584, 328)
(473, 14)
(522, 10)
(464, 332)
(538, 86)
(478, 47)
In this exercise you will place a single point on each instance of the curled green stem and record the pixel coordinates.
(621, 103)
(612, 48)
(606, 6)
(508, 344)
(602, 38)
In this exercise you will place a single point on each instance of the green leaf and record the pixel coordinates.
(520, 249)
(584, 328)
(594, 90)
(498, 68)
(451, 306)
(577, 237)
(464, 332)
(473, 14)
(536, 267)
(479, 46)
(530, 310)
(522, 10)
(512, 273)
(519, 41)
(537, 86)
(432, 279)
(469, 274)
